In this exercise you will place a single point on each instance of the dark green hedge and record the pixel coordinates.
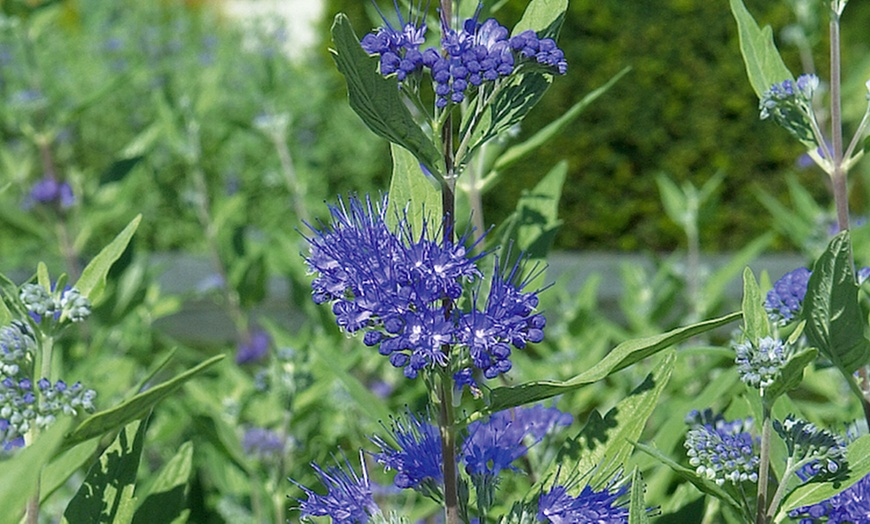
(686, 109)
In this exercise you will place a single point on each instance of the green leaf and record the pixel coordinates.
(376, 99)
(134, 408)
(554, 128)
(620, 357)
(791, 374)
(858, 457)
(21, 472)
(93, 279)
(543, 17)
(604, 444)
(167, 499)
(410, 187)
(328, 360)
(637, 512)
(63, 466)
(42, 277)
(835, 323)
(516, 97)
(106, 496)
(764, 65)
(674, 200)
(532, 227)
(5, 314)
(755, 323)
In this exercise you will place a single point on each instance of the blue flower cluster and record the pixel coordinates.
(469, 57)
(721, 450)
(493, 445)
(759, 366)
(601, 507)
(23, 404)
(348, 499)
(784, 301)
(850, 506)
(789, 104)
(392, 284)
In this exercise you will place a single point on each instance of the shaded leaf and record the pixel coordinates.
(376, 99)
(835, 323)
(604, 444)
(517, 96)
(166, 501)
(106, 496)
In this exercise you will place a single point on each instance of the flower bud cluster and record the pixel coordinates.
(24, 405)
(819, 448)
(784, 301)
(721, 450)
(759, 366)
(469, 57)
(789, 104)
(42, 304)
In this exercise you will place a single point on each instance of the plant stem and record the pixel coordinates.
(44, 361)
(838, 175)
(446, 421)
(764, 464)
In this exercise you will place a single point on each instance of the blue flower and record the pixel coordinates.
(48, 191)
(507, 319)
(850, 506)
(784, 301)
(721, 450)
(254, 348)
(264, 444)
(416, 458)
(492, 446)
(348, 499)
(602, 507)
